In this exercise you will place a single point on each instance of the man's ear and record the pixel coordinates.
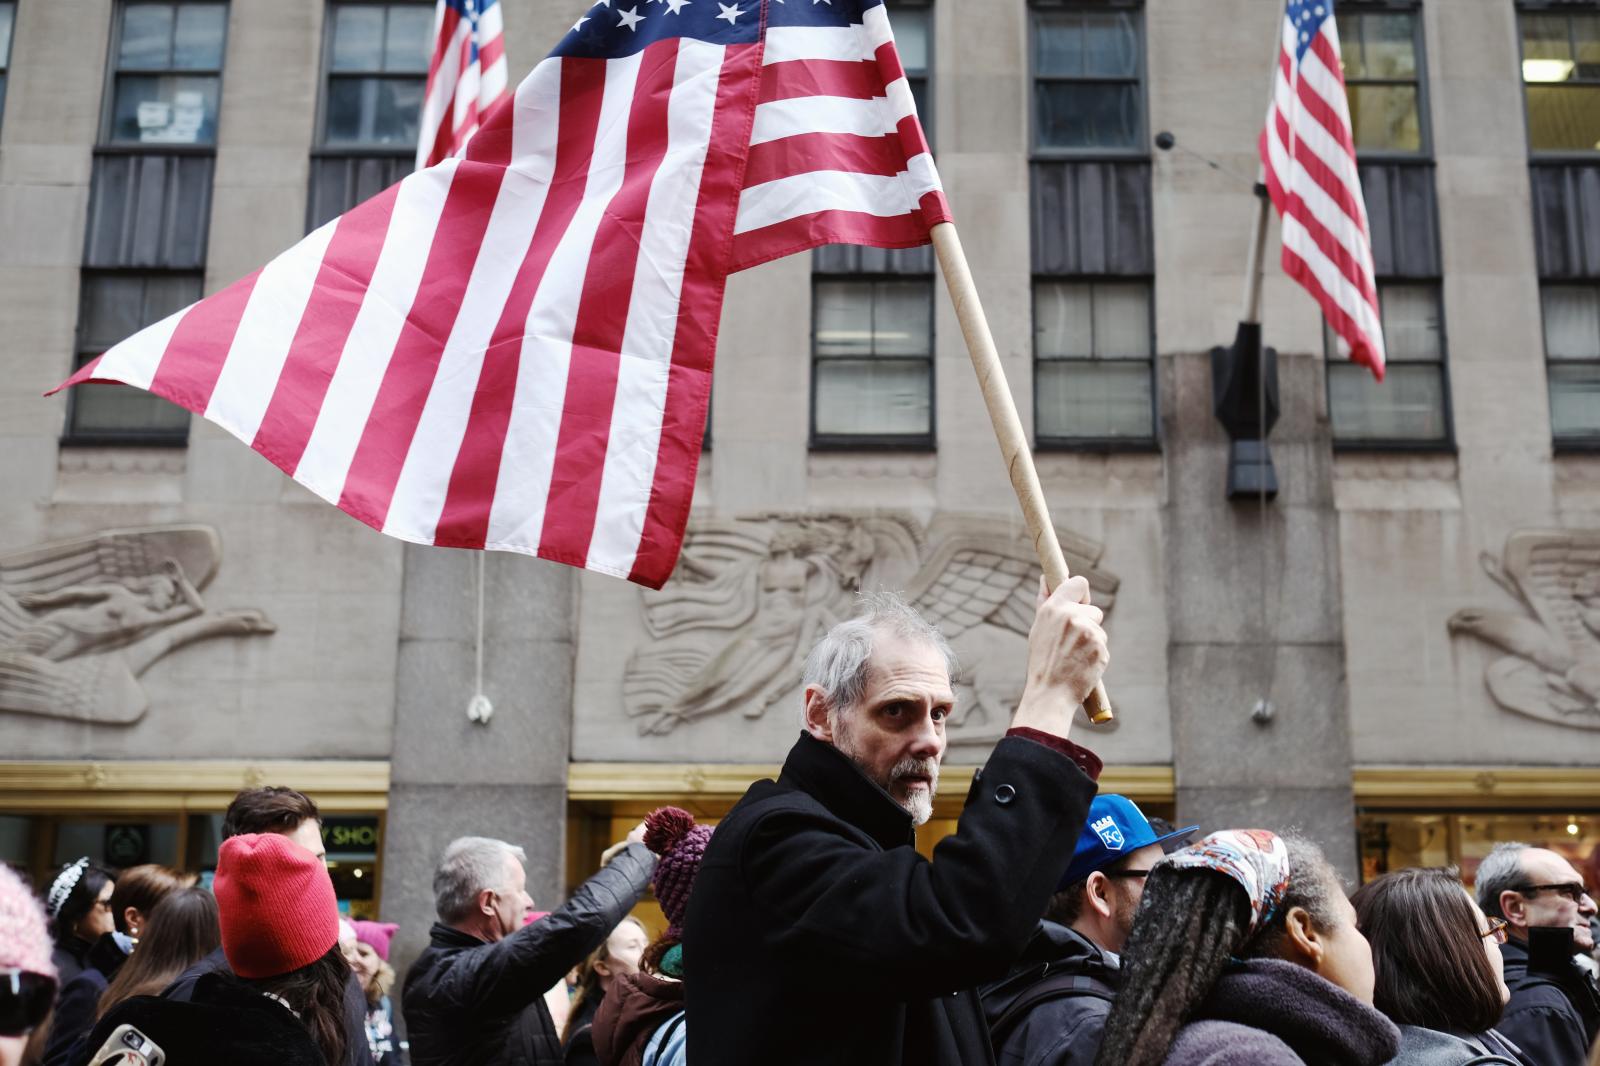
(818, 723)
(1514, 908)
(486, 902)
(1305, 945)
(1096, 890)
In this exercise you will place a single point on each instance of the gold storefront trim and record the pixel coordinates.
(75, 787)
(711, 788)
(1477, 786)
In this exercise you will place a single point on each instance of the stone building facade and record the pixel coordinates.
(1393, 654)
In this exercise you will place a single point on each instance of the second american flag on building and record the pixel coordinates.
(513, 349)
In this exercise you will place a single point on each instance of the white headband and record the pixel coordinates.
(62, 886)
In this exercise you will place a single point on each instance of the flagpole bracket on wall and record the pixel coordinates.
(1244, 392)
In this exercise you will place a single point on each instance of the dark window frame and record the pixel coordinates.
(1572, 444)
(1419, 50)
(1043, 442)
(1552, 7)
(5, 58)
(326, 76)
(1444, 445)
(1037, 9)
(72, 437)
(877, 442)
(104, 143)
(322, 152)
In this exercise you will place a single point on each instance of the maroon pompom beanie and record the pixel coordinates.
(276, 905)
(672, 833)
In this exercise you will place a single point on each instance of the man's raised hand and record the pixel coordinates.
(1066, 656)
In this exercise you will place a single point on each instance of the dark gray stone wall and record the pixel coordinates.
(1254, 612)
(451, 776)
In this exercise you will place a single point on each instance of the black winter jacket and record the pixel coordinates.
(357, 1052)
(1553, 1018)
(221, 1022)
(817, 934)
(1051, 1009)
(468, 1002)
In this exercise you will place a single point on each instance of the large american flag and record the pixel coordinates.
(513, 349)
(466, 76)
(1310, 160)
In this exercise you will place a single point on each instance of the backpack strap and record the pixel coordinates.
(1048, 987)
(667, 1034)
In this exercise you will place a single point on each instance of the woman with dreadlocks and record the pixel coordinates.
(1246, 950)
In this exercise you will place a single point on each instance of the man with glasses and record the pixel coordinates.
(1051, 1009)
(1554, 1012)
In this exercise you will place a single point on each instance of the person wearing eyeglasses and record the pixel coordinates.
(1438, 972)
(27, 976)
(1554, 1012)
(1051, 1008)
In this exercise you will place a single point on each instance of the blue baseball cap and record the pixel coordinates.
(1116, 829)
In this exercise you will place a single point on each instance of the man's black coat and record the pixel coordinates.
(817, 934)
(1553, 1018)
(1051, 1010)
(468, 1002)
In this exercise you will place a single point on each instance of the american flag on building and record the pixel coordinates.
(466, 77)
(1310, 159)
(512, 349)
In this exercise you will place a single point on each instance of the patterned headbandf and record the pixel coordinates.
(1255, 858)
(62, 886)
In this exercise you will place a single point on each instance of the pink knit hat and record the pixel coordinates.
(673, 834)
(377, 935)
(24, 939)
(276, 904)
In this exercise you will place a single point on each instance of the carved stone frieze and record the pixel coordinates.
(729, 633)
(81, 620)
(1551, 669)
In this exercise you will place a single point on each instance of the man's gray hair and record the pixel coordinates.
(470, 865)
(1500, 871)
(838, 664)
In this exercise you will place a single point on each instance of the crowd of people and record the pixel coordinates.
(1055, 927)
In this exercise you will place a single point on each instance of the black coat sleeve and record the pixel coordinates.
(514, 972)
(1548, 1034)
(927, 927)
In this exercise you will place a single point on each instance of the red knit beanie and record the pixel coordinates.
(276, 905)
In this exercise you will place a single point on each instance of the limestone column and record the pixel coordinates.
(454, 777)
(1254, 612)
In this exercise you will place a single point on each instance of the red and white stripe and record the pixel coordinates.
(837, 154)
(1310, 166)
(508, 350)
(512, 348)
(461, 88)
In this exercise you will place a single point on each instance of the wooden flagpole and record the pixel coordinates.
(1007, 426)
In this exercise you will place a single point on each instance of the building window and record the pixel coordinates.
(8, 18)
(1088, 81)
(1408, 406)
(167, 74)
(1093, 361)
(115, 305)
(375, 65)
(872, 362)
(1382, 80)
(1572, 351)
(1561, 78)
(913, 38)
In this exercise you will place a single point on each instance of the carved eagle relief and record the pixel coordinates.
(81, 620)
(730, 633)
(1552, 667)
